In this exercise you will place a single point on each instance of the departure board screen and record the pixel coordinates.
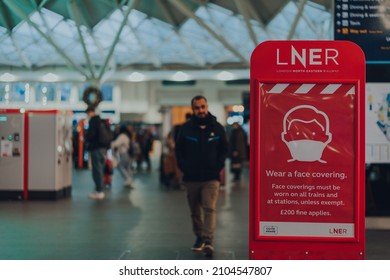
(366, 23)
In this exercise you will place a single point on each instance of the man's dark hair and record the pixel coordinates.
(196, 98)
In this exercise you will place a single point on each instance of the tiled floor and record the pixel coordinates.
(149, 222)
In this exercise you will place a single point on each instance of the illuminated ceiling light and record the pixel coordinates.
(7, 77)
(180, 76)
(232, 119)
(238, 108)
(225, 76)
(50, 77)
(136, 77)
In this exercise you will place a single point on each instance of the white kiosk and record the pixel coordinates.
(12, 155)
(49, 154)
(35, 154)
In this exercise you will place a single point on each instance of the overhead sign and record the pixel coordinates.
(307, 168)
(366, 23)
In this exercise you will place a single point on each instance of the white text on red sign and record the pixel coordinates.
(307, 57)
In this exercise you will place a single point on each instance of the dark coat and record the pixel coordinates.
(238, 147)
(201, 153)
(91, 137)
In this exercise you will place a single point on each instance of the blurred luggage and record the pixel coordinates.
(108, 172)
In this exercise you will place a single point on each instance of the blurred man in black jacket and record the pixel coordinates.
(201, 149)
(97, 153)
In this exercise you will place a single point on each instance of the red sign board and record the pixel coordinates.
(307, 150)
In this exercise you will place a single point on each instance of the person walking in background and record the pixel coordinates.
(237, 150)
(171, 172)
(173, 175)
(120, 147)
(177, 127)
(135, 150)
(201, 149)
(145, 140)
(97, 152)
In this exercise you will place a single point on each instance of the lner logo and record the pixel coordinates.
(307, 57)
(338, 231)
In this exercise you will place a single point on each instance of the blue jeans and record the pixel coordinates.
(98, 159)
(202, 199)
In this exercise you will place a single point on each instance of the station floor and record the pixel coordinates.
(150, 222)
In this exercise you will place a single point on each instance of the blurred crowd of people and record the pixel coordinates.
(132, 145)
(193, 158)
(131, 148)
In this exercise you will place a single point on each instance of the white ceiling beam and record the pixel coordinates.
(100, 48)
(216, 23)
(296, 19)
(200, 61)
(77, 16)
(17, 10)
(147, 52)
(252, 13)
(309, 22)
(255, 16)
(42, 4)
(117, 36)
(34, 3)
(245, 14)
(167, 13)
(20, 53)
(187, 11)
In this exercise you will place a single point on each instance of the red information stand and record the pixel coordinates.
(307, 151)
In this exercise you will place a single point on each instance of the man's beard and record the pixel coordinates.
(201, 121)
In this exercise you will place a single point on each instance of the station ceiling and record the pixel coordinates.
(102, 39)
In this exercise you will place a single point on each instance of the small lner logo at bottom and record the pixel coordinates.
(270, 230)
(338, 231)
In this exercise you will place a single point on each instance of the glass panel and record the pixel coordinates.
(15, 92)
(106, 92)
(45, 92)
(65, 90)
(18, 94)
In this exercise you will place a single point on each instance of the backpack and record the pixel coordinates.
(105, 134)
(134, 149)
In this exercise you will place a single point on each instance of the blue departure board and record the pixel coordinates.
(366, 23)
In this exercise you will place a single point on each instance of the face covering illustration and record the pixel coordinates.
(306, 133)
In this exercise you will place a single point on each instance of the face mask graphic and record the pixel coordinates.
(306, 133)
